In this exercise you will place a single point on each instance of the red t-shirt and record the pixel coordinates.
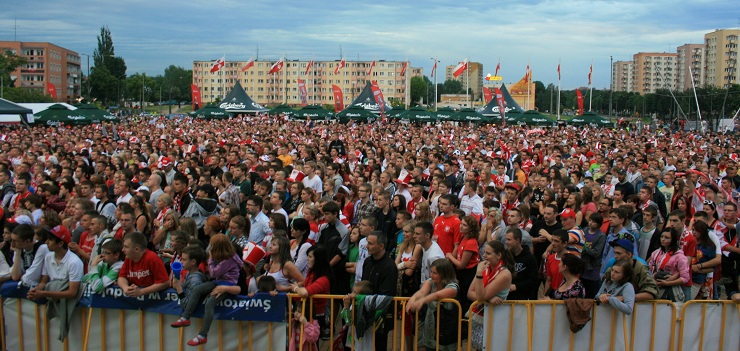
(148, 271)
(688, 245)
(552, 271)
(447, 231)
(470, 244)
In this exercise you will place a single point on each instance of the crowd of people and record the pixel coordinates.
(475, 212)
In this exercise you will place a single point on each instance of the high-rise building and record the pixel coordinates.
(720, 57)
(474, 78)
(622, 76)
(652, 71)
(282, 87)
(46, 63)
(690, 64)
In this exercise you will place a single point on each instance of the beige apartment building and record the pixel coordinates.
(689, 65)
(721, 52)
(474, 77)
(622, 76)
(47, 63)
(282, 87)
(652, 71)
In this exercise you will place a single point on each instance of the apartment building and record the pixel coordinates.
(622, 76)
(720, 57)
(474, 78)
(46, 63)
(690, 65)
(282, 87)
(652, 71)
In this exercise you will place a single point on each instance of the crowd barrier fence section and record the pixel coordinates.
(709, 325)
(110, 321)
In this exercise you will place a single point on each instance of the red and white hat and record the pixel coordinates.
(404, 178)
(252, 254)
(62, 233)
(296, 176)
(133, 140)
(189, 149)
(567, 212)
(733, 157)
(164, 162)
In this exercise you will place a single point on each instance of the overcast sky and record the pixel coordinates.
(150, 35)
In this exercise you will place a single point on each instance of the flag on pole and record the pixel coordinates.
(370, 70)
(308, 67)
(498, 66)
(487, 94)
(339, 66)
(249, 64)
(338, 98)
(403, 69)
(590, 70)
(558, 71)
(304, 92)
(501, 105)
(460, 68)
(434, 68)
(277, 66)
(378, 95)
(218, 64)
(579, 96)
(51, 89)
(526, 75)
(196, 97)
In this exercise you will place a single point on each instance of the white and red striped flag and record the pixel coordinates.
(340, 65)
(526, 75)
(558, 71)
(498, 66)
(370, 70)
(249, 64)
(277, 66)
(434, 68)
(403, 69)
(460, 68)
(308, 67)
(218, 64)
(590, 70)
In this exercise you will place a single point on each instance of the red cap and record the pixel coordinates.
(62, 233)
(166, 161)
(567, 212)
(514, 186)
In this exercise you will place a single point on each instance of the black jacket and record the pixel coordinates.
(526, 278)
(382, 274)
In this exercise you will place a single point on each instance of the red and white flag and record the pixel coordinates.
(498, 66)
(579, 97)
(487, 94)
(501, 104)
(196, 97)
(303, 91)
(403, 69)
(277, 66)
(526, 75)
(308, 67)
(370, 70)
(460, 68)
(558, 71)
(218, 64)
(338, 98)
(249, 64)
(434, 68)
(51, 89)
(590, 70)
(340, 65)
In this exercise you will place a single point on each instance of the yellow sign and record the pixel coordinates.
(489, 77)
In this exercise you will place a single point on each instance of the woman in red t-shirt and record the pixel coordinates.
(316, 282)
(466, 258)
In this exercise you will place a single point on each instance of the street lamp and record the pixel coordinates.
(88, 76)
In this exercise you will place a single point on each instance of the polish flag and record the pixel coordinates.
(277, 66)
(370, 70)
(403, 69)
(498, 66)
(558, 71)
(51, 89)
(434, 68)
(526, 75)
(218, 64)
(590, 70)
(461, 67)
(249, 64)
(308, 67)
(341, 65)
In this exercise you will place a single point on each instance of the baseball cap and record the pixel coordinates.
(62, 233)
(567, 212)
(623, 243)
(514, 186)
(166, 161)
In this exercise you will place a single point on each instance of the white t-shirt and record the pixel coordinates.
(361, 256)
(472, 204)
(316, 184)
(70, 267)
(428, 257)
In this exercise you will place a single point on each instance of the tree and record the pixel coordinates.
(107, 65)
(177, 82)
(9, 62)
(453, 87)
(418, 90)
(542, 96)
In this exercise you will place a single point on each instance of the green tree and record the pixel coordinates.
(9, 62)
(134, 85)
(177, 83)
(107, 65)
(453, 87)
(418, 88)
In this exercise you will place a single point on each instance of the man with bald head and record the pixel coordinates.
(154, 183)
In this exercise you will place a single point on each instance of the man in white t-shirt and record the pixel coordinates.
(430, 250)
(311, 180)
(367, 225)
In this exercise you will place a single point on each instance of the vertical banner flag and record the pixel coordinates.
(340, 65)
(378, 95)
(526, 76)
(498, 67)
(308, 67)
(370, 70)
(434, 68)
(51, 89)
(487, 94)
(195, 96)
(580, 101)
(303, 91)
(501, 104)
(460, 68)
(403, 69)
(218, 64)
(249, 64)
(338, 98)
(590, 70)
(558, 71)
(277, 66)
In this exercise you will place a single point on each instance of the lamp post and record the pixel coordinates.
(88, 76)
(143, 87)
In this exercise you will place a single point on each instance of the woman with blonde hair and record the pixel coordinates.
(162, 238)
(423, 213)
